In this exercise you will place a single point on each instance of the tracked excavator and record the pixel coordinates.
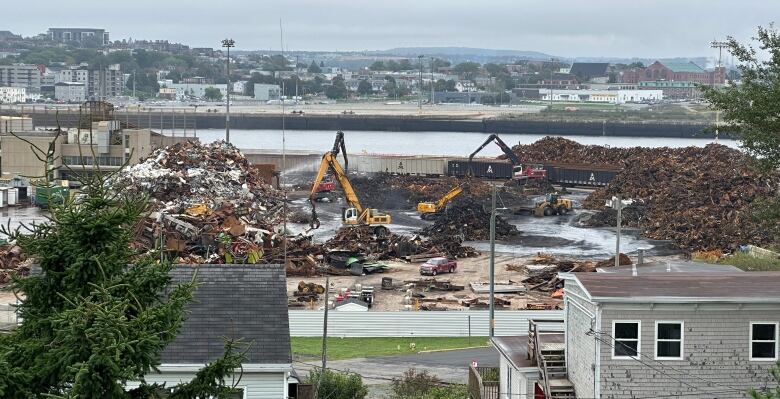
(520, 172)
(432, 210)
(355, 214)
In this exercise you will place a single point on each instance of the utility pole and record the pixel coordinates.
(492, 261)
(432, 102)
(617, 204)
(324, 336)
(720, 46)
(228, 43)
(419, 92)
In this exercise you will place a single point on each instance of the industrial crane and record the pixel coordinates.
(430, 210)
(518, 171)
(355, 215)
(328, 185)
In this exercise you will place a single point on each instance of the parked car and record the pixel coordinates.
(435, 266)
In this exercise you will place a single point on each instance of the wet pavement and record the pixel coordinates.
(556, 235)
(14, 217)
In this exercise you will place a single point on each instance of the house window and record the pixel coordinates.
(626, 337)
(763, 341)
(669, 340)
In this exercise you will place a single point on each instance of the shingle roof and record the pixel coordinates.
(679, 66)
(235, 301)
(682, 287)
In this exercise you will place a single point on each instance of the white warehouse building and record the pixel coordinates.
(12, 95)
(196, 90)
(602, 96)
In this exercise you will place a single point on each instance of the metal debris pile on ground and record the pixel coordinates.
(361, 240)
(209, 205)
(700, 198)
(12, 263)
(387, 191)
(468, 219)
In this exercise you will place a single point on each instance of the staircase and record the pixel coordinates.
(550, 357)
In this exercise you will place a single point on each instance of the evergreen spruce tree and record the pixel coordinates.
(97, 315)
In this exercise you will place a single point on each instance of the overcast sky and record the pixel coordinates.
(616, 28)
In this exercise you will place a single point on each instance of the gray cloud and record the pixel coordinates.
(660, 28)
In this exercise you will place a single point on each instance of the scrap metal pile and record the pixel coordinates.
(208, 206)
(387, 191)
(12, 263)
(362, 240)
(698, 197)
(467, 218)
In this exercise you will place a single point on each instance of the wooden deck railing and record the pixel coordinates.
(483, 382)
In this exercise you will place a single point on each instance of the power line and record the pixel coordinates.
(609, 342)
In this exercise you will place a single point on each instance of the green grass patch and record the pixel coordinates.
(350, 348)
(751, 264)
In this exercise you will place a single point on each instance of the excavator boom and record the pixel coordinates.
(442, 202)
(505, 148)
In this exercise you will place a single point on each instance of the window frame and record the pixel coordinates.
(638, 339)
(776, 341)
(681, 340)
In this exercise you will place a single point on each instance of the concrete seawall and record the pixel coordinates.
(401, 123)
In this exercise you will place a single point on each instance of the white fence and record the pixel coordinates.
(308, 323)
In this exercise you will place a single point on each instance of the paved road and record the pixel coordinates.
(449, 366)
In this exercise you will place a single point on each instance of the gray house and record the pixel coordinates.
(236, 301)
(693, 335)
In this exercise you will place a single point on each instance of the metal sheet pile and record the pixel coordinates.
(467, 219)
(208, 206)
(700, 198)
(12, 263)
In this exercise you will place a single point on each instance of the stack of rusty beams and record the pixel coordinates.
(542, 272)
(12, 263)
(468, 219)
(362, 240)
(699, 198)
(431, 284)
(210, 205)
(387, 191)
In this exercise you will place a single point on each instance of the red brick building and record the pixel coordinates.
(673, 71)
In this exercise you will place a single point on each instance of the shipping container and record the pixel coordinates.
(57, 194)
(398, 165)
(580, 175)
(486, 169)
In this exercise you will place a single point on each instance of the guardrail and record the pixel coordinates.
(308, 323)
(483, 382)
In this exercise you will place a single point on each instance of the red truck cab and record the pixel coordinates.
(435, 266)
(529, 172)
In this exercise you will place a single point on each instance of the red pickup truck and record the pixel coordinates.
(435, 266)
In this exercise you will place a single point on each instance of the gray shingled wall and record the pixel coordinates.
(715, 348)
(237, 301)
(580, 348)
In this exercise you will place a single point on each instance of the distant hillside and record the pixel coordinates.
(466, 53)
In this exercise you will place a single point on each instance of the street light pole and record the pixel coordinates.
(419, 91)
(228, 43)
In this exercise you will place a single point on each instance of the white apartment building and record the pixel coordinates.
(98, 83)
(21, 75)
(12, 95)
(601, 96)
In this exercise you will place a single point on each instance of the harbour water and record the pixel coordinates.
(420, 143)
